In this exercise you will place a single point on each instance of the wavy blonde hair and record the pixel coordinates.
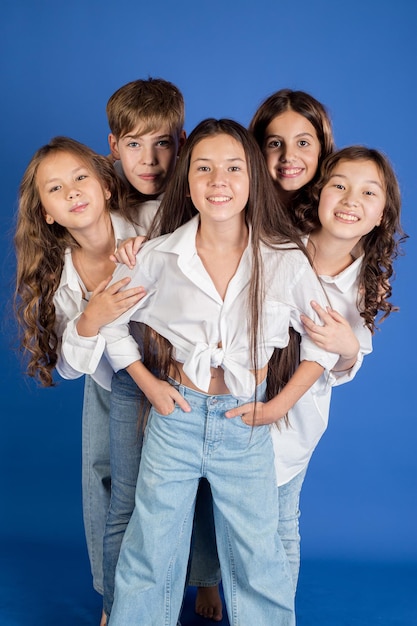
(40, 250)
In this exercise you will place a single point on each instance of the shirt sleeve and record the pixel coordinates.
(121, 348)
(306, 288)
(79, 355)
(340, 378)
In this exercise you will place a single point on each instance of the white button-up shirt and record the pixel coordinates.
(183, 305)
(70, 303)
(309, 416)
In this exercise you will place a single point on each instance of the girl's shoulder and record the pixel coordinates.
(123, 228)
(283, 253)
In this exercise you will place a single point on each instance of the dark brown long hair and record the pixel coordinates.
(310, 108)
(264, 212)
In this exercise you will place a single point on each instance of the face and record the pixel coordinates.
(291, 149)
(149, 159)
(353, 200)
(71, 194)
(218, 179)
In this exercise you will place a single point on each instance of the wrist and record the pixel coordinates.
(85, 327)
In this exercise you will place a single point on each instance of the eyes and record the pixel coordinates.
(278, 143)
(77, 178)
(206, 168)
(161, 143)
(365, 192)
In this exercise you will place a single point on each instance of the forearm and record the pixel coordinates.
(144, 379)
(307, 373)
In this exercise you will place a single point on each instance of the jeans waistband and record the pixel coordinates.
(187, 392)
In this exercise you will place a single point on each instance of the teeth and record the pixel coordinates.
(347, 217)
(290, 172)
(219, 198)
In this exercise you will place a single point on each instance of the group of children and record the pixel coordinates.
(209, 351)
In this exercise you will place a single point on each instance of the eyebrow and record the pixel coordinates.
(296, 136)
(230, 159)
(157, 138)
(369, 182)
(74, 171)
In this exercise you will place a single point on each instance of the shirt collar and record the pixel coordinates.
(182, 240)
(346, 279)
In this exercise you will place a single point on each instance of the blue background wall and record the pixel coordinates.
(60, 62)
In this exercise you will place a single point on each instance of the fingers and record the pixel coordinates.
(168, 398)
(336, 316)
(324, 314)
(127, 251)
(240, 410)
(137, 243)
(180, 400)
(118, 285)
(102, 286)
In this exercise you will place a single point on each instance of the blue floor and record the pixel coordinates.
(46, 584)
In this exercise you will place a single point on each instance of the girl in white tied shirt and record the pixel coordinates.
(222, 289)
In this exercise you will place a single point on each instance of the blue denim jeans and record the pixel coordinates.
(288, 521)
(238, 462)
(205, 569)
(127, 414)
(96, 483)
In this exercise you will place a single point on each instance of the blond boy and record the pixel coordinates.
(146, 119)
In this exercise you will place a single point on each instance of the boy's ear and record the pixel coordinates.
(113, 147)
(181, 140)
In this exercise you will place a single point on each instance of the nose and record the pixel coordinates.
(149, 155)
(73, 192)
(350, 199)
(218, 177)
(287, 154)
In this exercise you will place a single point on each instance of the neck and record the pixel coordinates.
(98, 240)
(286, 196)
(330, 256)
(223, 235)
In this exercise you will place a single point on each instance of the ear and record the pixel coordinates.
(181, 140)
(107, 194)
(113, 147)
(49, 219)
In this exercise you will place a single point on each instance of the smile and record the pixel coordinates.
(219, 199)
(347, 217)
(290, 172)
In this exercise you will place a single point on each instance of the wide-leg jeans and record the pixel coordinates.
(238, 462)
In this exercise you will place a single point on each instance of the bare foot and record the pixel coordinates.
(208, 603)
(103, 620)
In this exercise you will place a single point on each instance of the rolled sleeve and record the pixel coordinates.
(82, 354)
(121, 349)
(310, 352)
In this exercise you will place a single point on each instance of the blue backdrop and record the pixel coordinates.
(60, 62)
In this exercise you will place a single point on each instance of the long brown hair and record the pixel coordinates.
(264, 212)
(40, 250)
(284, 362)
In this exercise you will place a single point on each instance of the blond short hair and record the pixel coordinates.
(147, 103)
